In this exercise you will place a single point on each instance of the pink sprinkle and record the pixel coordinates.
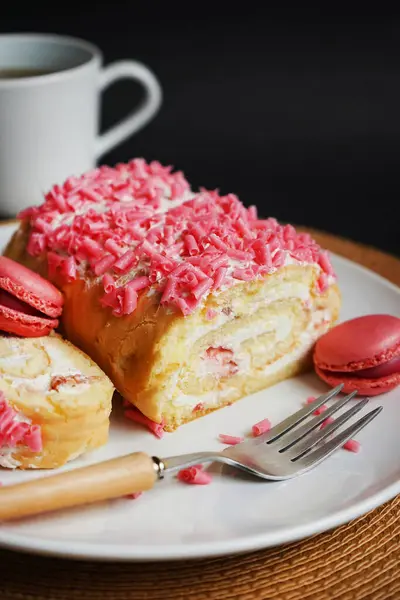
(242, 228)
(218, 243)
(130, 300)
(211, 314)
(273, 243)
(278, 259)
(289, 232)
(42, 225)
(232, 440)
(70, 184)
(242, 274)
(325, 263)
(60, 202)
(69, 269)
(135, 415)
(198, 407)
(14, 432)
(169, 290)
(220, 261)
(124, 263)
(112, 246)
(323, 282)
(36, 244)
(252, 212)
(202, 288)
(134, 495)
(197, 231)
(219, 277)
(327, 422)
(139, 283)
(261, 427)
(239, 254)
(352, 446)
(262, 253)
(191, 245)
(183, 305)
(108, 283)
(147, 248)
(102, 265)
(179, 270)
(169, 234)
(191, 279)
(92, 247)
(320, 410)
(33, 439)
(53, 261)
(194, 475)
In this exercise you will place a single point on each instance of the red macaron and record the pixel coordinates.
(362, 353)
(29, 304)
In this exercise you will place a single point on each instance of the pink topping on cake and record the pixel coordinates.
(15, 432)
(141, 219)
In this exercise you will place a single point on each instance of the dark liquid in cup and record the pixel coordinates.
(21, 73)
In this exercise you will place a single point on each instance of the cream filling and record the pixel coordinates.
(208, 399)
(281, 325)
(282, 292)
(7, 461)
(307, 339)
(60, 365)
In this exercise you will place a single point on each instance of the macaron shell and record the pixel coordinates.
(24, 325)
(30, 287)
(364, 387)
(359, 343)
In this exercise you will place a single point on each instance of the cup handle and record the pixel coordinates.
(140, 116)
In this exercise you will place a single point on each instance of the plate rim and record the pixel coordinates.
(261, 541)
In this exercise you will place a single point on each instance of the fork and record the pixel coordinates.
(287, 450)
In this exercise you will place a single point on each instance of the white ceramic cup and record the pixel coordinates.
(49, 123)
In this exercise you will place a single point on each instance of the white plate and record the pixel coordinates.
(235, 513)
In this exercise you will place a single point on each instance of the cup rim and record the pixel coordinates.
(96, 56)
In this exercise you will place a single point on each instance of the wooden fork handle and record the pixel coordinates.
(110, 479)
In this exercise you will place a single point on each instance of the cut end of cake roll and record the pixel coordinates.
(242, 340)
(187, 300)
(55, 403)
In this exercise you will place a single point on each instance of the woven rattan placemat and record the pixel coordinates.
(358, 560)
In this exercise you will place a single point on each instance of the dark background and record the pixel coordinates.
(297, 113)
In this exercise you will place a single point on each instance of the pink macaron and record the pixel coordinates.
(362, 353)
(29, 304)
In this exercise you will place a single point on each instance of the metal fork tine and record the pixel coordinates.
(298, 450)
(299, 416)
(317, 456)
(301, 432)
